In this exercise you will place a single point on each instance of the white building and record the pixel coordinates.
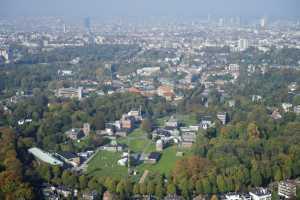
(5, 54)
(148, 71)
(243, 44)
(263, 22)
(287, 189)
(70, 92)
(260, 194)
(123, 161)
(297, 109)
(237, 196)
(286, 106)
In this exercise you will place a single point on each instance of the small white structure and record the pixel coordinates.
(159, 145)
(297, 109)
(286, 107)
(123, 161)
(260, 194)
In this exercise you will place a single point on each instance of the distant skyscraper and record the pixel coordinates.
(238, 21)
(208, 18)
(221, 22)
(263, 22)
(64, 28)
(87, 24)
(243, 44)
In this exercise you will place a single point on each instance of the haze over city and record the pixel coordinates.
(150, 99)
(150, 8)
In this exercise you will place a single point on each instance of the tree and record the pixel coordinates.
(56, 170)
(143, 188)
(199, 188)
(221, 183)
(146, 125)
(150, 188)
(253, 131)
(278, 174)
(83, 182)
(136, 189)
(171, 188)
(256, 179)
(159, 192)
(121, 189)
(207, 188)
(69, 179)
(111, 185)
(98, 122)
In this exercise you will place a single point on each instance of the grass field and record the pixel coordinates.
(138, 142)
(105, 164)
(166, 162)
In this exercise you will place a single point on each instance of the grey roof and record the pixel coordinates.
(45, 156)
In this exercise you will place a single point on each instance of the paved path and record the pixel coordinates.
(143, 178)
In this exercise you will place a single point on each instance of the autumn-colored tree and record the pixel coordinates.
(253, 131)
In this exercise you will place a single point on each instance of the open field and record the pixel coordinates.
(138, 142)
(166, 162)
(105, 164)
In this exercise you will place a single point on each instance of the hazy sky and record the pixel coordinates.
(141, 8)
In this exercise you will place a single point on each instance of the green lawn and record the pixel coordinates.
(166, 162)
(105, 164)
(138, 142)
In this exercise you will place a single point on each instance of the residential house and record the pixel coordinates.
(152, 158)
(63, 191)
(74, 134)
(297, 109)
(93, 195)
(127, 122)
(188, 139)
(173, 197)
(172, 122)
(70, 92)
(86, 129)
(287, 189)
(223, 117)
(276, 115)
(206, 122)
(293, 86)
(256, 98)
(166, 92)
(160, 145)
(113, 147)
(236, 196)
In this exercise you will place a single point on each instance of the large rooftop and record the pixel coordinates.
(45, 156)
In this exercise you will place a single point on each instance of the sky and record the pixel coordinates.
(150, 8)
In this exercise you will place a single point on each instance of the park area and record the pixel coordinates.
(105, 163)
